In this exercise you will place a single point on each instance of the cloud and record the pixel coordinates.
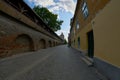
(43, 3)
(57, 5)
(67, 5)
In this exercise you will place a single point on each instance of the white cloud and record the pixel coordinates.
(67, 5)
(64, 5)
(43, 3)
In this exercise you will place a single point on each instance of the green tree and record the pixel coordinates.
(48, 17)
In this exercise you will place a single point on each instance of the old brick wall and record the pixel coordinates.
(17, 37)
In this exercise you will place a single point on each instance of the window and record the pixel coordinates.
(77, 25)
(78, 42)
(85, 10)
(74, 31)
(74, 42)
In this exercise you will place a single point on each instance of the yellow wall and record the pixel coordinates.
(107, 33)
(83, 37)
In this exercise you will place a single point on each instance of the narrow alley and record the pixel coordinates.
(57, 63)
(59, 40)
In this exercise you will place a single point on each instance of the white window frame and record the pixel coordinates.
(77, 25)
(85, 10)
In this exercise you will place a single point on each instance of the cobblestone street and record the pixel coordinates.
(57, 63)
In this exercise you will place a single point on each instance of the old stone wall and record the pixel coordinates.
(17, 37)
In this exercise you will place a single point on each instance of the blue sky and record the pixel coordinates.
(64, 8)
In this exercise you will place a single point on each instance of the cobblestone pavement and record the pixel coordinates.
(57, 63)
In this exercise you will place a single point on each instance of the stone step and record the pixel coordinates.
(88, 62)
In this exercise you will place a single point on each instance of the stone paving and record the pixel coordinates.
(57, 63)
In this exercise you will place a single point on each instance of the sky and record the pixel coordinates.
(63, 8)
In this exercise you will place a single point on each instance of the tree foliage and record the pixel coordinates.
(48, 17)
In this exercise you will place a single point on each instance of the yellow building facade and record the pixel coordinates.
(95, 30)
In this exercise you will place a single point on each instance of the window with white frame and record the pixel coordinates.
(85, 10)
(77, 25)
